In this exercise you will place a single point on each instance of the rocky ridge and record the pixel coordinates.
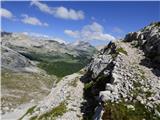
(129, 75)
(27, 44)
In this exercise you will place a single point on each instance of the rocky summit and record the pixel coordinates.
(122, 82)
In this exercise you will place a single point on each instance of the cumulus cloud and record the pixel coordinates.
(59, 12)
(93, 31)
(32, 20)
(74, 34)
(6, 13)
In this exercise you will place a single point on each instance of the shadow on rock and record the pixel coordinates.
(153, 65)
(89, 103)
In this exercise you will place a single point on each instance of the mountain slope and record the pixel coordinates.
(63, 102)
(31, 66)
(51, 55)
(122, 82)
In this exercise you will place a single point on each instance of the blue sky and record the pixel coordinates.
(96, 22)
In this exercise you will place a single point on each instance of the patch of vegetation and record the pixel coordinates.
(119, 111)
(114, 55)
(55, 112)
(88, 85)
(29, 111)
(121, 50)
(61, 68)
(59, 65)
(47, 57)
(136, 92)
(142, 74)
(136, 84)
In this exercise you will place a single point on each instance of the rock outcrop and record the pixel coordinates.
(12, 60)
(148, 39)
(120, 80)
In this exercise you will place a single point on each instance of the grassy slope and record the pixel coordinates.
(59, 65)
(19, 88)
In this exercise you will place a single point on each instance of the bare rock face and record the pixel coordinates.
(102, 60)
(123, 81)
(148, 39)
(14, 61)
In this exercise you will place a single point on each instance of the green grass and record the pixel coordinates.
(117, 51)
(59, 65)
(121, 50)
(88, 85)
(60, 69)
(29, 111)
(142, 74)
(119, 111)
(55, 112)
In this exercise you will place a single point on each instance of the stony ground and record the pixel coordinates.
(132, 80)
(68, 91)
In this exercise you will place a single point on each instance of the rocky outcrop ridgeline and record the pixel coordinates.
(148, 39)
(121, 79)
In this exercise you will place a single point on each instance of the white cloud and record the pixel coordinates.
(93, 31)
(59, 12)
(72, 33)
(32, 20)
(6, 13)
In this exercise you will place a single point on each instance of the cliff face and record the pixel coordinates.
(124, 77)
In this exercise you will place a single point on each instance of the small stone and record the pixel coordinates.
(131, 107)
